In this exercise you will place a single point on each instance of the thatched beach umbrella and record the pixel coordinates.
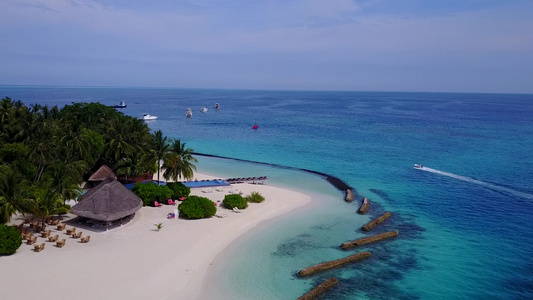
(102, 174)
(108, 201)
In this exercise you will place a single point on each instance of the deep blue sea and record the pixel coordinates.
(464, 222)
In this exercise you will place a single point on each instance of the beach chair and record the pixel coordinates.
(61, 243)
(61, 226)
(77, 235)
(156, 204)
(38, 248)
(45, 234)
(71, 231)
(85, 239)
(31, 240)
(235, 209)
(171, 202)
(53, 238)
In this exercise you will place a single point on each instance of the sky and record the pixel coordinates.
(357, 45)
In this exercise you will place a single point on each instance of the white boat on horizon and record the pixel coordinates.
(188, 113)
(203, 109)
(148, 117)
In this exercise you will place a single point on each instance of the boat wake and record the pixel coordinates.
(492, 186)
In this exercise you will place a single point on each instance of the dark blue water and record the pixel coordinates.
(465, 224)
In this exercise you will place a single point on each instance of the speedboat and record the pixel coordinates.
(121, 105)
(417, 166)
(217, 106)
(203, 109)
(188, 113)
(147, 117)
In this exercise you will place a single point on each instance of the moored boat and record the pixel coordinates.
(217, 106)
(121, 105)
(203, 109)
(418, 166)
(148, 117)
(188, 113)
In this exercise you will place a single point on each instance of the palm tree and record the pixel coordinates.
(13, 191)
(179, 162)
(160, 148)
(118, 140)
(45, 202)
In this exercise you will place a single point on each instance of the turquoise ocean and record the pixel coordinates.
(465, 221)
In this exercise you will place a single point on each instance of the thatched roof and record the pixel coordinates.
(102, 174)
(108, 201)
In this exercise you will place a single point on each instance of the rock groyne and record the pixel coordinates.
(333, 264)
(365, 206)
(370, 225)
(319, 289)
(370, 239)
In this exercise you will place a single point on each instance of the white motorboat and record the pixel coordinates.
(203, 109)
(147, 117)
(217, 106)
(188, 113)
(417, 166)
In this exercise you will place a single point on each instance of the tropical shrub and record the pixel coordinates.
(10, 240)
(179, 190)
(196, 207)
(255, 197)
(231, 201)
(150, 192)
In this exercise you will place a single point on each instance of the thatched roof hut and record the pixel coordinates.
(108, 201)
(102, 174)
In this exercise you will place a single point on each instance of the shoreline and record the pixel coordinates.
(135, 261)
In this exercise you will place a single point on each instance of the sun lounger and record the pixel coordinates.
(61, 243)
(156, 204)
(61, 226)
(235, 209)
(85, 239)
(38, 248)
(221, 215)
(53, 238)
(31, 240)
(77, 235)
(71, 231)
(171, 202)
(45, 234)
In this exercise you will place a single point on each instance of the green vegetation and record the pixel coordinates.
(150, 192)
(158, 226)
(179, 190)
(10, 240)
(196, 207)
(231, 201)
(45, 153)
(255, 197)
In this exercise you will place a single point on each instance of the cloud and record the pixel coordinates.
(328, 43)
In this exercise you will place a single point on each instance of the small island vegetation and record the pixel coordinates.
(47, 152)
(10, 240)
(255, 197)
(234, 200)
(196, 207)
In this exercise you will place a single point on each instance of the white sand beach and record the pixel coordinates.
(135, 261)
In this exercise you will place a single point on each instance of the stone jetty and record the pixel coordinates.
(319, 289)
(370, 225)
(365, 206)
(370, 239)
(333, 264)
